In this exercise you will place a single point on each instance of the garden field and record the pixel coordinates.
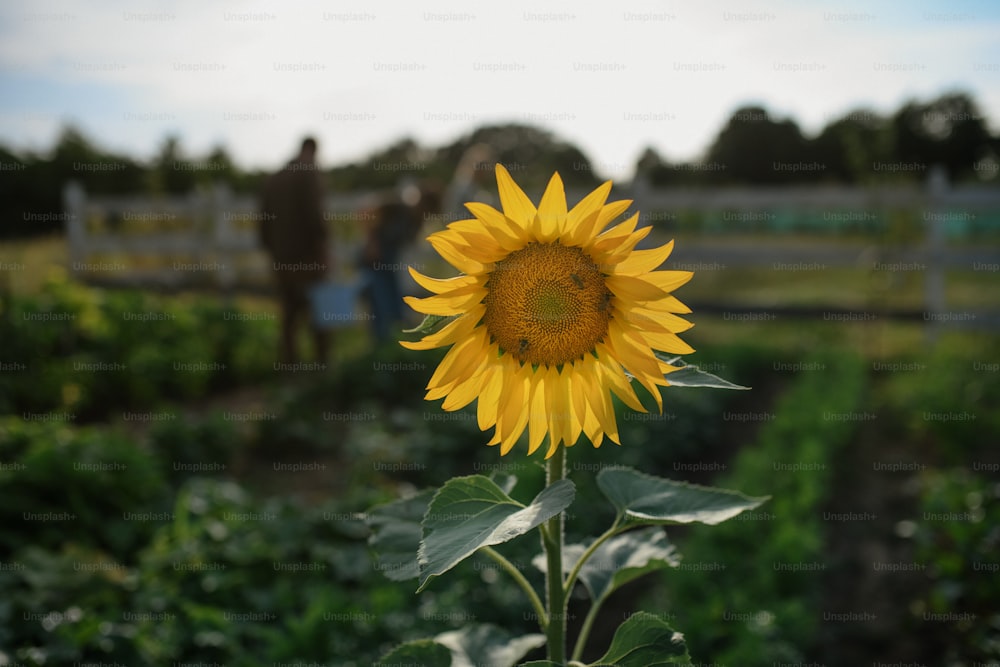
(169, 497)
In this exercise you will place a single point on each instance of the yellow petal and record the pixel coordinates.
(600, 405)
(582, 218)
(445, 304)
(507, 233)
(551, 214)
(668, 281)
(464, 392)
(634, 354)
(650, 320)
(440, 286)
(622, 229)
(632, 288)
(486, 409)
(669, 304)
(515, 203)
(613, 375)
(538, 425)
(609, 212)
(644, 261)
(513, 416)
(452, 332)
(579, 393)
(454, 256)
(555, 403)
(667, 342)
(615, 249)
(574, 419)
(481, 248)
(461, 361)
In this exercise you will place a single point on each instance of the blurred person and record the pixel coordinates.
(390, 227)
(473, 181)
(293, 233)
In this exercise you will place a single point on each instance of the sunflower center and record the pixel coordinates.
(547, 304)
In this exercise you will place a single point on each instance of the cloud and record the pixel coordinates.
(608, 77)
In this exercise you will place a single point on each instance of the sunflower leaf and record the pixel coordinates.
(487, 645)
(430, 324)
(646, 499)
(619, 560)
(644, 640)
(469, 513)
(692, 376)
(396, 535)
(419, 652)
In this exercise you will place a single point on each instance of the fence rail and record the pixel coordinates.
(210, 237)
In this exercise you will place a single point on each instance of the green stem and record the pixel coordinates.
(552, 541)
(575, 572)
(536, 602)
(581, 641)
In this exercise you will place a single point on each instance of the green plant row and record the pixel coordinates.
(763, 607)
(73, 353)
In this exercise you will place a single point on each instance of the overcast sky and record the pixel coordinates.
(611, 77)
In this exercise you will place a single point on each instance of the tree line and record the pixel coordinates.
(754, 147)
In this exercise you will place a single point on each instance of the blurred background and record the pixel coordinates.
(177, 491)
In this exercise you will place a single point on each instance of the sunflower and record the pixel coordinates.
(550, 316)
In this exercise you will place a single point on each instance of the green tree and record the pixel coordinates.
(949, 131)
(849, 146)
(171, 173)
(757, 149)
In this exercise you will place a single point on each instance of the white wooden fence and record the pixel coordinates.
(205, 239)
(209, 238)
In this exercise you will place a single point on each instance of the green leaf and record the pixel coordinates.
(653, 500)
(692, 376)
(469, 513)
(430, 324)
(420, 652)
(476, 645)
(645, 641)
(539, 663)
(619, 560)
(505, 481)
(396, 535)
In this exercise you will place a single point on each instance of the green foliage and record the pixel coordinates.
(56, 491)
(62, 604)
(93, 353)
(469, 513)
(957, 533)
(645, 640)
(192, 446)
(641, 498)
(471, 645)
(619, 560)
(488, 645)
(946, 393)
(689, 375)
(750, 611)
(396, 534)
(419, 652)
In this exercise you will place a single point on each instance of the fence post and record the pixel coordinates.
(935, 239)
(75, 201)
(220, 203)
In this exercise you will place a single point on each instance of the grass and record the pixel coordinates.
(29, 264)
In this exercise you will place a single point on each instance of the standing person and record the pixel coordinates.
(293, 233)
(394, 224)
(473, 181)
